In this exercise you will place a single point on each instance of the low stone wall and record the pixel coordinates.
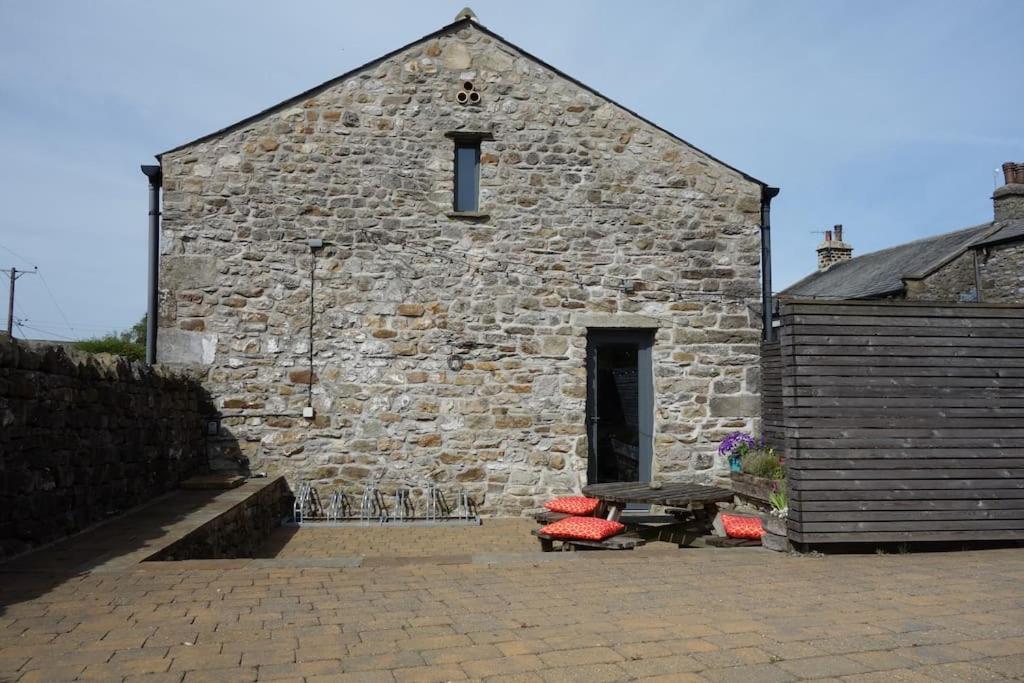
(83, 437)
(239, 532)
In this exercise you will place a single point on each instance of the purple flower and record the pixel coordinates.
(734, 441)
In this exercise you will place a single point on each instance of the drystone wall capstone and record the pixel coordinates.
(954, 282)
(85, 436)
(450, 349)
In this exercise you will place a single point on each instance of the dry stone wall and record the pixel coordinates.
(955, 282)
(1001, 271)
(446, 348)
(83, 437)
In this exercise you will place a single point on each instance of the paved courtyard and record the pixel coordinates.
(450, 609)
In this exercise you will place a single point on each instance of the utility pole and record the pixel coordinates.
(13, 274)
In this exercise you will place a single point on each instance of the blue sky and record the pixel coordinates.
(888, 117)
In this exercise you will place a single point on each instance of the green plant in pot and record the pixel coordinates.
(775, 521)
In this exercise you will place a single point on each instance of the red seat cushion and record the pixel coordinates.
(583, 529)
(742, 527)
(573, 505)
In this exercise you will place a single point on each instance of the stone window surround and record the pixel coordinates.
(458, 136)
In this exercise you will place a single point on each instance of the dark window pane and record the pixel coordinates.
(467, 176)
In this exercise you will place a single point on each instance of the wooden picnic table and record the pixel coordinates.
(617, 495)
(694, 506)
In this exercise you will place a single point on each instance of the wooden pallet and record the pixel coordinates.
(723, 542)
(626, 541)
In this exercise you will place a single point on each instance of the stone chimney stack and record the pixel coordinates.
(1008, 200)
(833, 250)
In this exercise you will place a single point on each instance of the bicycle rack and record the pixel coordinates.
(308, 507)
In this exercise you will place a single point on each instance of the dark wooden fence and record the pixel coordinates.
(903, 421)
(771, 395)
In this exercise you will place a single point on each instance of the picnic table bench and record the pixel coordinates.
(691, 509)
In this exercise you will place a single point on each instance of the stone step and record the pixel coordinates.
(213, 482)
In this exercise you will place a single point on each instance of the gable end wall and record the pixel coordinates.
(580, 197)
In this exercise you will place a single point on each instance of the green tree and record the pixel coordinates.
(130, 343)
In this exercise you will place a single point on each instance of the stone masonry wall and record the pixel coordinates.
(1002, 273)
(82, 437)
(578, 199)
(953, 282)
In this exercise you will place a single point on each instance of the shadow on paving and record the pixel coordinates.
(116, 544)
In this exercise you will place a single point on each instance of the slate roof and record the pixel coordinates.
(1011, 230)
(881, 273)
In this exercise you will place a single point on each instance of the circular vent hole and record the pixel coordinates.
(468, 85)
(474, 97)
(462, 97)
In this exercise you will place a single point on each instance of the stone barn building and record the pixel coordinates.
(456, 264)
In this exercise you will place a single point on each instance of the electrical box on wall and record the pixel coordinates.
(307, 411)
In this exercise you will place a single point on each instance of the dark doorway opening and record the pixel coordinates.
(620, 405)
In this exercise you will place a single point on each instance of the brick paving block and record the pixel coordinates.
(893, 676)
(312, 654)
(820, 667)
(502, 666)
(322, 667)
(1011, 666)
(434, 642)
(166, 677)
(460, 654)
(791, 650)
(673, 678)
(200, 661)
(53, 674)
(757, 673)
(355, 677)
(882, 660)
(262, 658)
(739, 657)
(661, 665)
(394, 660)
(372, 648)
(590, 673)
(580, 657)
(960, 671)
(938, 654)
(429, 674)
(663, 648)
(523, 647)
(524, 677)
(994, 647)
(237, 674)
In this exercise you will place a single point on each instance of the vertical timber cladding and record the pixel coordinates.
(771, 395)
(903, 421)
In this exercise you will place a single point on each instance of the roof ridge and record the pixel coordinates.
(459, 23)
(929, 238)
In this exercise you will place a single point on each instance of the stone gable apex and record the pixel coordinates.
(459, 25)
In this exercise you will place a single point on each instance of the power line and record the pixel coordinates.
(50, 332)
(46, 286)
(18, 256)
(54, 300)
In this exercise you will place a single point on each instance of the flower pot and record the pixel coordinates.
(774, 525)
(750, 487)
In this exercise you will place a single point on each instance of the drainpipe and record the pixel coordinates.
(155, 181)
(767, 194)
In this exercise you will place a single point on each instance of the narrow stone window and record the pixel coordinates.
(467, 175)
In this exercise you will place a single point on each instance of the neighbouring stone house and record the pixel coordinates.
(457, 264)
(983, 263)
